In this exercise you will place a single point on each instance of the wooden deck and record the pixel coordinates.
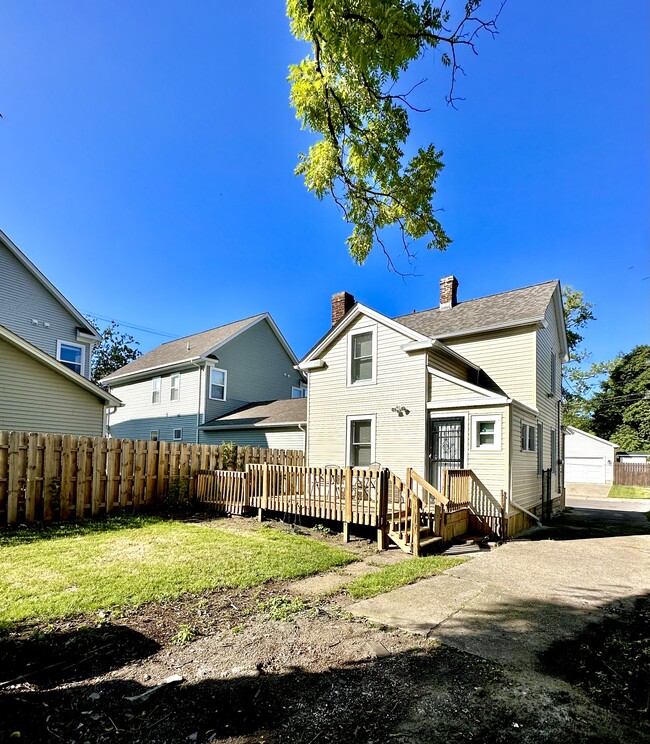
(414, 515)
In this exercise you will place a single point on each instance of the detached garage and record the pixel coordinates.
(588, 458)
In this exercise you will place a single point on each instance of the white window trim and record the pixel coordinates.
(159, 391)
(225, 383)
(372, 417)
(174, 437)
(302, 389)
(496, 420)
(60, 343)
(373, 378)
(172, 388)
(528, 427)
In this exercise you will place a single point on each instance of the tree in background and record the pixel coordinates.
(346, 91)
(114, 351)
(578, 381)
(621, 408)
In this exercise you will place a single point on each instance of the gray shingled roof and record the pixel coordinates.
(188, 347)
(291, 411)
(483, 313)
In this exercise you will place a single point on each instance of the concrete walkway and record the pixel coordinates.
(513, 602)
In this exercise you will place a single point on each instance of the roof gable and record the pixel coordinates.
(195, 347)
(84, 324)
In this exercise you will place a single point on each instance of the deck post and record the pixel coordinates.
(504, 519)
(415, 525)
(265, 491)
(347, 506)
(382, 510)
(437, 517)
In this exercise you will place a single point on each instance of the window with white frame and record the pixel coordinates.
(361, 441)
(155, 390)
(217, 384)
(177, 435)
(527, 438)
(362, 356)
(153, 435)
(175, 387)
(72, 355)
(299, 391)
(486, 432)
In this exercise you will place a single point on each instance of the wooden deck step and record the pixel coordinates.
(430, 542)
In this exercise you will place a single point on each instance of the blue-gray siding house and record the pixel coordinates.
(173, 390)
(45, 350)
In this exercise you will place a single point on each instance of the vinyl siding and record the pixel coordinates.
(34, 397)
(139, 415)
(526, 483)
(277, 438)
(447, 364)
(400, 380)
(546, 399)
(508, 357)
(24, 299)
(258, 369)
(490, 466)
(442, 390)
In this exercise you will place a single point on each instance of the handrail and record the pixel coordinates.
(425, 485)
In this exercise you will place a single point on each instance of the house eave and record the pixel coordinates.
(226, 427)
(143, 374)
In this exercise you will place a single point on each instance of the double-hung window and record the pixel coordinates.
(362, 357)
(155, 390)
(217, 384)
(361, 440)
(72, 355)
(527, 438)
(175, 387)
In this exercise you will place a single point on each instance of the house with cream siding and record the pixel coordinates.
(473, 385)
(182, 389)
(45, 350)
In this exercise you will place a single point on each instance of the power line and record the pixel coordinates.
(130, 325)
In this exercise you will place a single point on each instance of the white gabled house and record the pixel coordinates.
(473, 385)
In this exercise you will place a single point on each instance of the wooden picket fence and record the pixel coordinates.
(632, 474)
(59, 477)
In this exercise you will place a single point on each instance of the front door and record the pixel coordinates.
(446, 441)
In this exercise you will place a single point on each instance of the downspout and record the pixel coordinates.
(198, 408)
(510, 501)
(304, 431)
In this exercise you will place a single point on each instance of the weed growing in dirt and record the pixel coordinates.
(186, 633)
(283, 608)
(399, 574)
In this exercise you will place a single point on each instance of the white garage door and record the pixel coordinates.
(585, 470)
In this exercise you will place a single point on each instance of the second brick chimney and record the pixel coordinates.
(448, 292)
(341, 303)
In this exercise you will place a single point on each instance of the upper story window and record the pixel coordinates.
(72, 355)
(155, 390)
(217, 384)
(175, 388)
(527, 438)
(486, 432)
(299, 391)
(362, 356)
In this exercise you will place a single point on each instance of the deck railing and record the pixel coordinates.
(465, 490)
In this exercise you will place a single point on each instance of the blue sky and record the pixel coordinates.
(147, 166)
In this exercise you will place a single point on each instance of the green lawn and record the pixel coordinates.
(399, 574)
(629, 492)
(124, 562)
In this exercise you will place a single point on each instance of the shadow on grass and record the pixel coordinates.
(53, 658)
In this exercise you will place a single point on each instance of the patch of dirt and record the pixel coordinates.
(314, 676)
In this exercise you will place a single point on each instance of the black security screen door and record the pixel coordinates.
(445, 448)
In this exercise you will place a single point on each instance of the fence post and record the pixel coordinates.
(415, 524)
(347, 506)
(265, 490)
(382, 509)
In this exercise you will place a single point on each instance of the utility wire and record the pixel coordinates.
(130, 325)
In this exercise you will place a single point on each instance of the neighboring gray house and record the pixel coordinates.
(45, 350)
(276, 424)
(171, 391)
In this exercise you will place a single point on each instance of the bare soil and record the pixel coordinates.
(316, 675)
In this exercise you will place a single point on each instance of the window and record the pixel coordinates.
(553, 373)
(299, 392)
(178, 435)
(527, 438)
(361, 438)
(72, 355)
(362, 357)
(540, 448)
(217, 384)
(175, 389)
(486, 432)
(153, 435)
(155, 390)
(553, 452)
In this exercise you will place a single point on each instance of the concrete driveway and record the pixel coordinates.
(515, 601)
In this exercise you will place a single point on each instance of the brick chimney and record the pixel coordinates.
(341, 303)
(448, 292)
